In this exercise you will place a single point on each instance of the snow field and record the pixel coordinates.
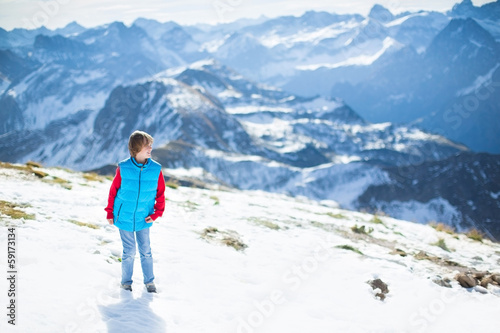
(291, 277)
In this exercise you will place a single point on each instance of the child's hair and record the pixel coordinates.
(137, 141)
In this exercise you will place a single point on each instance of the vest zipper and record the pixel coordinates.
(119, 210)
(138, 194)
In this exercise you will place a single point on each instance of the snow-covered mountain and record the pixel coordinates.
(379, 64)
(449, 89)
(235, 261)
(489, 11)
(384, 65)
(469, 181)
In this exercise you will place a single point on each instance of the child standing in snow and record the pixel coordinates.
(136, 199)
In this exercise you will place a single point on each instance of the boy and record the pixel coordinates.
(136, 199)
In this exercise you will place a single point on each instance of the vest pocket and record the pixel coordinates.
(118, 214)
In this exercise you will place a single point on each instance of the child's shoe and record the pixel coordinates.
(126, 287)
(151, 287)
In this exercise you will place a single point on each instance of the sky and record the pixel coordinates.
(31, 14)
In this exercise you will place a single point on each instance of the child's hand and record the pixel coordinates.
(110, 221)
(149, 219)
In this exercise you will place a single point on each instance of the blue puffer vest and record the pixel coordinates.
(135, 199)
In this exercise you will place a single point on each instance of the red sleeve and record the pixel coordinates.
(115, 186)
(160, 198)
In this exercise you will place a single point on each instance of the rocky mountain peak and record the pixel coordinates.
(464, 8)
(380, 13)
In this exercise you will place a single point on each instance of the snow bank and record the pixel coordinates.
(295, 275)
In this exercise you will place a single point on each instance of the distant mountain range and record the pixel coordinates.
(340, 107)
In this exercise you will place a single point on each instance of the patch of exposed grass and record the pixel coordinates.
(475, 234)
(39, 173)
(399, 233)
(375, 219)
(64, 169)
(46, 178)
(264, 222)
(215, 199)
(318, 225)
(361, 230)
(440, 243)
(234, 243)
(84, 224)
(209, 231)
(336, 216)
(442, 227)
(228, 238)
(93, 177)
(114, 258)
(326, 227)
(33, 164)
(58, 181)
(349, 248)
(28, 168)
(192, 206)
(24, 168)
(172, 184)
(11, 209)
(332, 215)
(399, 252)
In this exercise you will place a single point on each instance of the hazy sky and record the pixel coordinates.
(89, 13)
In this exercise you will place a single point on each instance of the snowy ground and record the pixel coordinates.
(291, 277)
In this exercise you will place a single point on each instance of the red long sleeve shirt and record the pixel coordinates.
(160, 196)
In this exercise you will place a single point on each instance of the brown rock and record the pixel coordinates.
(485, 281)
(381, 285)
(399, 252)
(443, 282)
(466, 281)
(480, 275)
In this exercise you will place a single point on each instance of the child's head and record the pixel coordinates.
(137, 141)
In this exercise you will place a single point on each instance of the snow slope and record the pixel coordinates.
(291, 277)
